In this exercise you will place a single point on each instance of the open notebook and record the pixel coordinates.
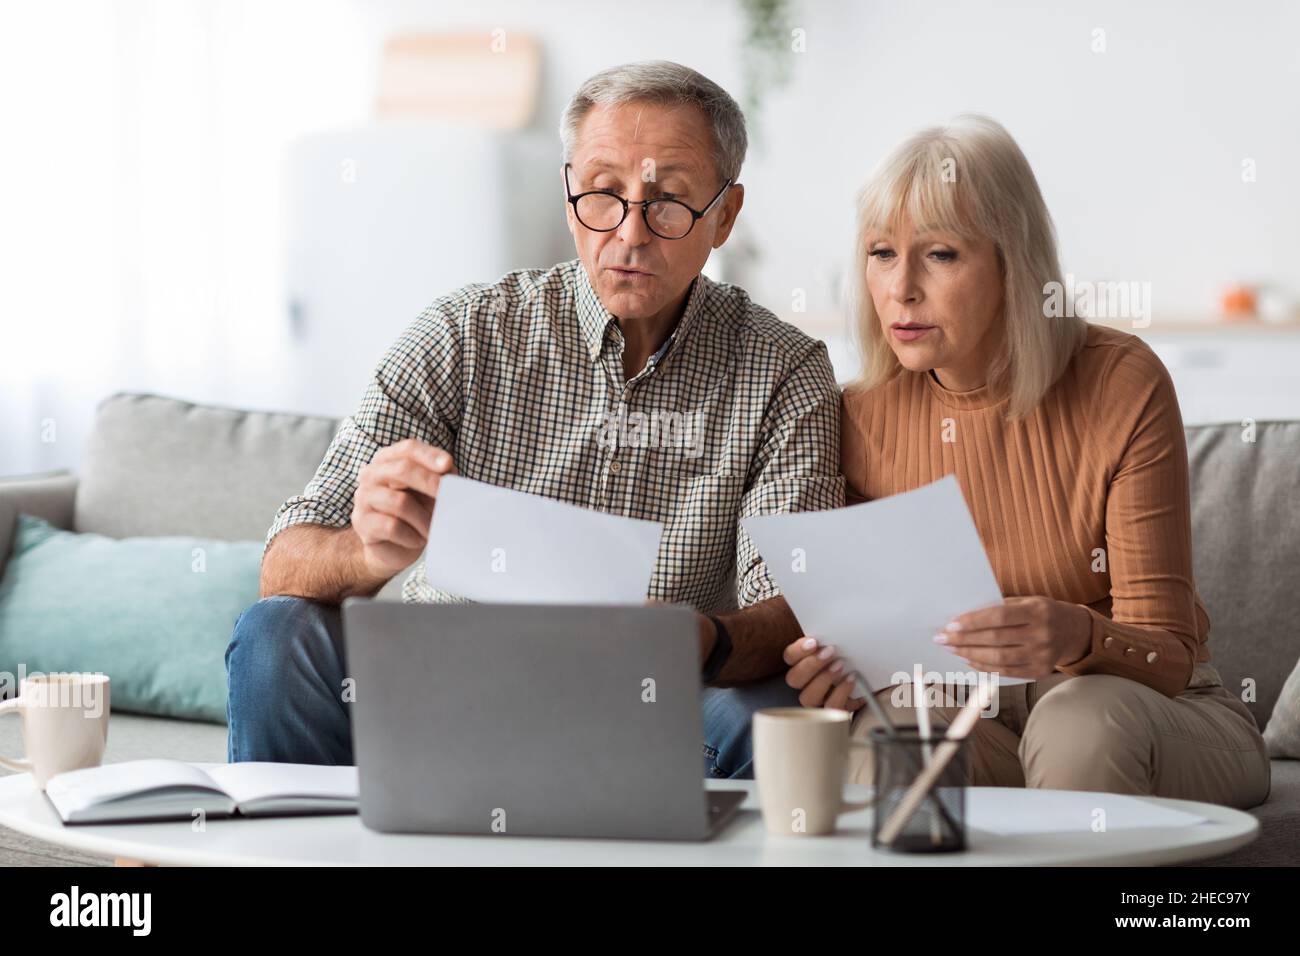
(174, 790)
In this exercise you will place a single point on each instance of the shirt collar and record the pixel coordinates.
(594, 319)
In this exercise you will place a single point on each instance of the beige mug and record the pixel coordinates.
(65, 723)
(800, 758)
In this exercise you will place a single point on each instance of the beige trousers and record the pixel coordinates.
(1102, 733)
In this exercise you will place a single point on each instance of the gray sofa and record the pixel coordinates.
(156, 466)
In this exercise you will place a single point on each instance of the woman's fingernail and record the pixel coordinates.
(837, 667)
(810, 644)
(953, 626)
(827, 653)
(940, 639)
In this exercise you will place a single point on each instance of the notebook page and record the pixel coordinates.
(79, 789)
(252, 781)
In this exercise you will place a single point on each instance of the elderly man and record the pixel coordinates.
(532, 383)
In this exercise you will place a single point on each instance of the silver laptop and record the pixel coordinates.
(530, 720)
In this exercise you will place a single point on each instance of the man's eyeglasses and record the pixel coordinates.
(603, 211)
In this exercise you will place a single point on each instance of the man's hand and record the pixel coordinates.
(708, 632)
(1025, 637)
(393, 505)
(757, 633)
(819, 676)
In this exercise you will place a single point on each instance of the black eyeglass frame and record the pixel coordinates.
(645, 204)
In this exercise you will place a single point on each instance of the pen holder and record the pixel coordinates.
(939, 823)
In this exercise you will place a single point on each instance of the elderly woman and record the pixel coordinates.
(1068, 444)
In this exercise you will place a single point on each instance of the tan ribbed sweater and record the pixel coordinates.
(1086, 500)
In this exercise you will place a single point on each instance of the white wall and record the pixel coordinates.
(140, 244)
(142, 240)
(1138, 149)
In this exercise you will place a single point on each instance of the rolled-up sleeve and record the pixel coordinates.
(415, 392)
(796, 467)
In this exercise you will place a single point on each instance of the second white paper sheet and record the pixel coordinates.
(496, 545)
(878, 580)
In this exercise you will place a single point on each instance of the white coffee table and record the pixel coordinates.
(342, 840)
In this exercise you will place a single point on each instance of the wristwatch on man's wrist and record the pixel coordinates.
(721, 651)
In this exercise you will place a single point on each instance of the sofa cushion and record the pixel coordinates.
(49, 496)
(1246, 543)
(154, 614)
(1283, 731)
(1278, 843)
(159, 466)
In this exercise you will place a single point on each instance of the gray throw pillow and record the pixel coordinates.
(1283, 731)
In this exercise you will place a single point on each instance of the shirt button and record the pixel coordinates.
(1128, 650)
(614, 467)
(1108, 642)
(1151, 658)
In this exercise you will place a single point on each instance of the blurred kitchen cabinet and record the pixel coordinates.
(1226, 373)
(384, 219)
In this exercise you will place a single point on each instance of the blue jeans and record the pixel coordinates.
(285, 669)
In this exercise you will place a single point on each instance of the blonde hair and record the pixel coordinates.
(970, 178)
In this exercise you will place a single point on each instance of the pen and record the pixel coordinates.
(923, 721)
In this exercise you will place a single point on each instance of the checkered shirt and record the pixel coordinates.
(522, 381)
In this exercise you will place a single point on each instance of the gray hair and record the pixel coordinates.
(663, 82)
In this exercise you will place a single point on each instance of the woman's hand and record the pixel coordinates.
(820, 676)
(1025, 637)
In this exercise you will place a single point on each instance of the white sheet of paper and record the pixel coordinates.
(494, 545)
(1012, 811)
(878, 580)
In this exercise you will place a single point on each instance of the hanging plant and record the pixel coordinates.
(766, 55)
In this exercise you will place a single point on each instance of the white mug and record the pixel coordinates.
(65, 723)
(800, 757)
